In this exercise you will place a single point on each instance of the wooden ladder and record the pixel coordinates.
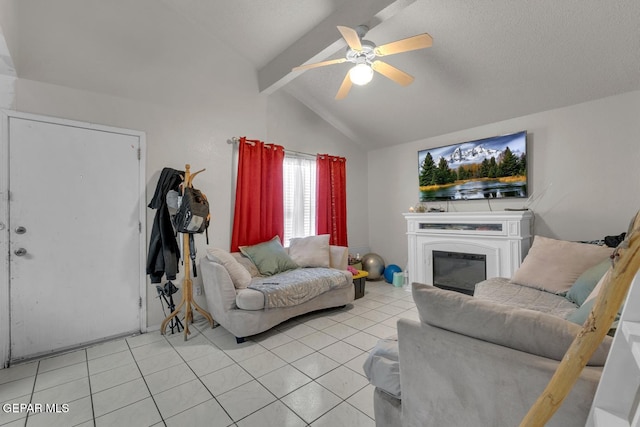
(620, 375)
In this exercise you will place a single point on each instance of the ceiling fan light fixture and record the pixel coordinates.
(363, 53)
(361, 74)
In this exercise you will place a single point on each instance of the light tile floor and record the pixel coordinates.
(306, 371)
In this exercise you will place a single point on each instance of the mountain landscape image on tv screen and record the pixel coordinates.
(490, 168)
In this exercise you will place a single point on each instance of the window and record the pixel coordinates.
(299, 182)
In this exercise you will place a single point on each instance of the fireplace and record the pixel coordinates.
(458, 271)
(496, 242)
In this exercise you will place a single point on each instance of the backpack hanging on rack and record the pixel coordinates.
(193, 213)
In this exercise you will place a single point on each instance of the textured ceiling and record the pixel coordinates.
(259, 30)
(490, 60)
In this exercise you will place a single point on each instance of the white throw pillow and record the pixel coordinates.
(239, 275)
(596, 290)
(312, 251)
(339, 257)
(554, 265)
(246, 263)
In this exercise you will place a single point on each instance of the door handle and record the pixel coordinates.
(20, 252)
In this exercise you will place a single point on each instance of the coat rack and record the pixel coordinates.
(187, 300)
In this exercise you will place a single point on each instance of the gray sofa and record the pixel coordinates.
(243, 311)
(484, 360)
(487, 371)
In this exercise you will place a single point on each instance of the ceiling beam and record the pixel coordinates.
(324, 39)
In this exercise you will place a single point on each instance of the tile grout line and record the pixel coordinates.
(313, 380)
(93, 411)
(33, 390)
(145, 384)
(331, 370)
(198, 376)
(118, 385)
(254, 379)
(362, 310)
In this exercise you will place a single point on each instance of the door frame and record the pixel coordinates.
(5, 303)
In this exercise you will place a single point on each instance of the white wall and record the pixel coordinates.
(7, 91)
(175, 136)
(7, 73)
(589, 153)
(585, 156)
(198, 135)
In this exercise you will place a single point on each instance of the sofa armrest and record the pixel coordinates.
(455, 380)
(219, 291)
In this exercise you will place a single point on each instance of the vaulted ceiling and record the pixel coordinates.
(490, 60)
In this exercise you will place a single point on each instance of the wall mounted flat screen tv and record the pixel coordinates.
(490, 168)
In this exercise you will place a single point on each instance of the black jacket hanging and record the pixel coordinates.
(164, 251)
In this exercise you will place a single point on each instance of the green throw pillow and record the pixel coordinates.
(588, 280)
(270, 257)
(581, 314)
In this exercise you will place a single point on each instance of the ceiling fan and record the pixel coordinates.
(363, 53)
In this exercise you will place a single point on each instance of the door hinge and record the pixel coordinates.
(139, 153)
(140, 227)
(140, 302)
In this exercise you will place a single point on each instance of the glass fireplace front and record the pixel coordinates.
(458, 271)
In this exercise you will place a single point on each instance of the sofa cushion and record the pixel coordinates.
(269, 257)
(554, 265)
(500, 290)
(249, 299)
(246, 263)
(588, 280)
(520, 329)
(312, 251)
(239, 275)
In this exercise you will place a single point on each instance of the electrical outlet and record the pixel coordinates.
(198, 290)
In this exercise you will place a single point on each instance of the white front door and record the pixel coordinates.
(74, 234)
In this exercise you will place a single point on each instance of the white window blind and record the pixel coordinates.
(299, 197)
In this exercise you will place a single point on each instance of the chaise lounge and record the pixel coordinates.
(242, 291)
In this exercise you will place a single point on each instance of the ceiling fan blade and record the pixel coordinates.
(391, 72)
(344, 88)
(320, 64)
(420, 41)
(351, 37)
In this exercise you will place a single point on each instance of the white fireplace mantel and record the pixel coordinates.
(504, 237)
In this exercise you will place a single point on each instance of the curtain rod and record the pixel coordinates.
(235, 140)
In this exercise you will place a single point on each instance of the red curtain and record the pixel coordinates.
(259, 211)
(331, 198)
